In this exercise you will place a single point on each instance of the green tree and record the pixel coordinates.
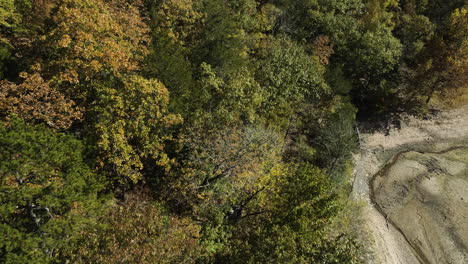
(48, 194)
(15, 23)
(361, 35)
(435, 61)
(289, 77)
(219, 173)
(335, 142)
(175, 26)
(306, 19)
(217, 100)
(8, 17)
(223, 38)
(372, 67)
(290, 222)
(222, 166)
(201, 52)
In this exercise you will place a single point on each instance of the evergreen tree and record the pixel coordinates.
(48, 193)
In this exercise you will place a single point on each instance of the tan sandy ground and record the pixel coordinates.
(424, 195)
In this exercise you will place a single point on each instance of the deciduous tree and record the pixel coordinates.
(131, 124)
(290, 224)
(139, 230)
(34, 100)
(90, 40)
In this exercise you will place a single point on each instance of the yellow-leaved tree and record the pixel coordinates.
(90, 39)
(131, 125)
(91, 52)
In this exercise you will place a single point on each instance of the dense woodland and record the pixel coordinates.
(203, 131)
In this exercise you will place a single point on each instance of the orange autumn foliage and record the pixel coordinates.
(90, 39)
(36, 101)
(140, 231)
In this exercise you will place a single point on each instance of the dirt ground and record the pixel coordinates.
(415, 199)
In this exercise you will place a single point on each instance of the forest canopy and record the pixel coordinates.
(203, 131)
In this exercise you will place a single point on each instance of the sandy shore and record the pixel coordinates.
(403, 222)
